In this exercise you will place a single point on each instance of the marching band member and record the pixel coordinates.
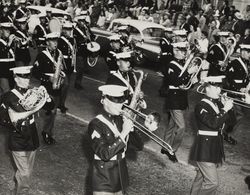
(237, 80)
(67, 45)
(211, 115)
(40, 32)
(22, 47)
(180, 36)
(48, 68)
(115, 47)
(166, 57)
(109, 136)
(22, 11)
(217, 54)
(7, 56)
(125, 77)
(23, 136)
(5, 15)
(83, 35)
(176, 98)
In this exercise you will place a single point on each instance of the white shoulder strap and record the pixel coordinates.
(17, 93)
(177, 64)
(221, 48)
(69, 44)
(215, 108)
(44, 32)
(21, 33)
(119, 76)
(81, 33)
(112, 127)
(243, 65)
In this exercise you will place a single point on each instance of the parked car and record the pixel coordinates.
(146, 34)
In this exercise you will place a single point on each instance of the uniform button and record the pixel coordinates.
(108, 134)
(206, 139)
(102, 166)
(109, 146)
(115, 144)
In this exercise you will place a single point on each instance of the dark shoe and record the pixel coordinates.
(171, 157)
(229, 139)
(78, 87)
(247, 181)
(63, 109)
(52, 140)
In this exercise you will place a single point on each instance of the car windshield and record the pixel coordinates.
(152, 33)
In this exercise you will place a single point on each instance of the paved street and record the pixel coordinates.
(62, 169)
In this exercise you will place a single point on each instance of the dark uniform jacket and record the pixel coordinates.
(21, 12)
(39, 34)
(119, 78)
(22, 135)
(80, 34)
(237, 75)
(216, 53)
(109, 172)
(166, 54)
(210, 118)
(67, 47)
(7, 59)
(22, 49)
(110, 58)
(44, 65)
(176, 98)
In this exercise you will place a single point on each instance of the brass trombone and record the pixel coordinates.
(236, 101)
(151, 123)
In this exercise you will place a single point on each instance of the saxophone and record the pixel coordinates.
(59, 75)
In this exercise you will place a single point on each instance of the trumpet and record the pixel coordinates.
(151, 123)
(236, 101)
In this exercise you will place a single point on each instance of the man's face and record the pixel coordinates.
(179, 54)
(42, 20)
(245, 54)
(223, 39)
(23, 26)
(124, 65)
(112, 107)
(213, 91)
(116, 45)
(52, 44)
(67, 32)
(22, 82)
(5, 32)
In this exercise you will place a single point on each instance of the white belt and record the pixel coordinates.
(41, 39)
(113, 158)
(7, 60)
(165, 53)
(238, 81)
(209, 133)
(173, 87)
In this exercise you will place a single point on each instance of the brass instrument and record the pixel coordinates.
(59, 75)
(151, 121)
(191, 62)
(230, 50)
(33, 100)
(236, 101)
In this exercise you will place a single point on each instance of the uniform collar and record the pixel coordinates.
(20, 89)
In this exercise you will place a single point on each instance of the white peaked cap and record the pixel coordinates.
(112, 90)
(214, 79)
(41, 15)
(123, 55)
(22, 1)
(6, 25)
(122, 27)
(245, 46)
(115, 37)
(169, 29)
(22, 69)
(67, 24)
(180, 32)
(180, 44)
(53, 35)
(223, 33)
